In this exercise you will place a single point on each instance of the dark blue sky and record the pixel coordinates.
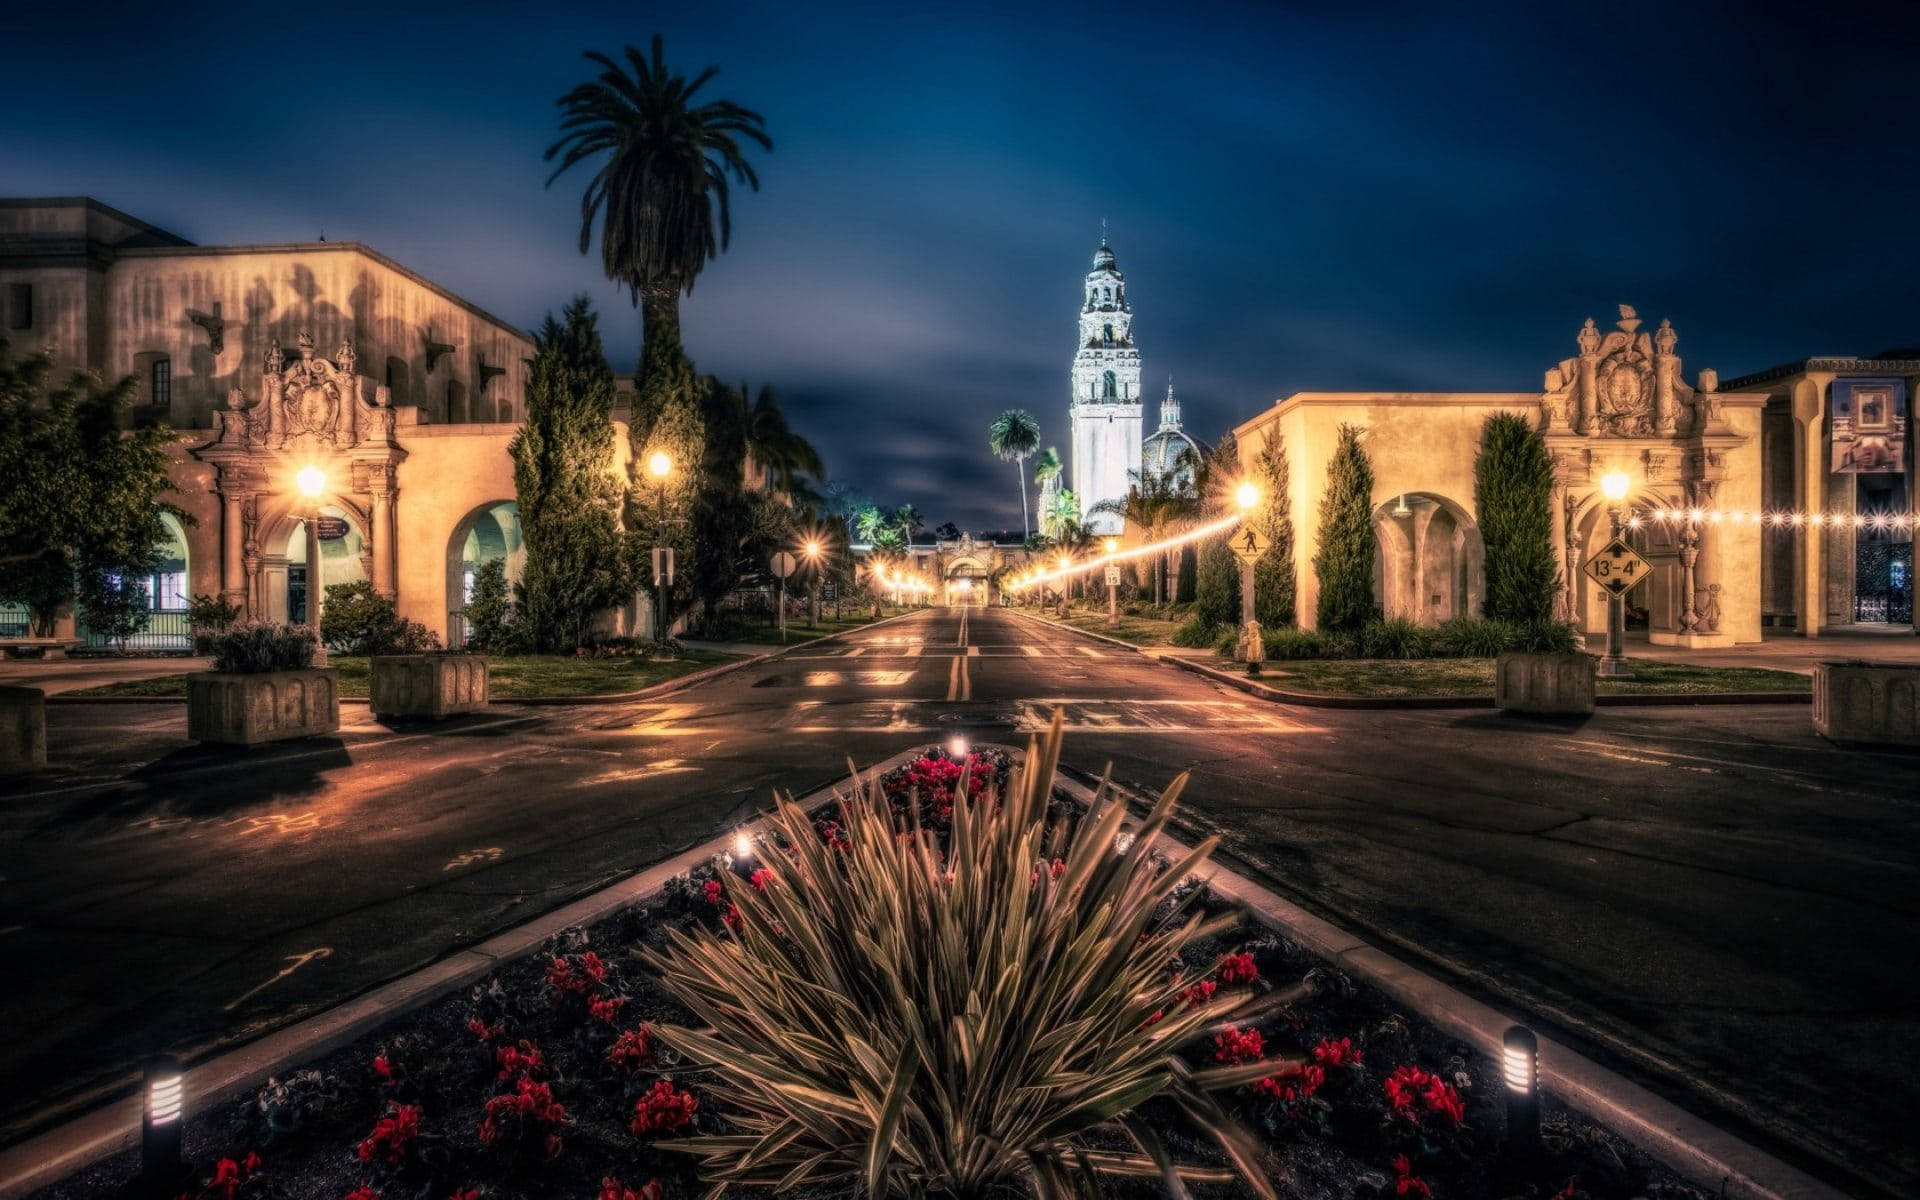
(1410, 196)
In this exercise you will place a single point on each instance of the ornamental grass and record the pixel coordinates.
(952, 1009)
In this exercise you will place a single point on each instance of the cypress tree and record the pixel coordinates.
(1273, 595)
(1216, 595)
(1344, 562)
(1513, 491)
(566, 494)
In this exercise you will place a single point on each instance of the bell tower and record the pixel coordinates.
(1105, 408)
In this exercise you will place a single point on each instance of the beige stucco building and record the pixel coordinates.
(272, 358)
(1746, 457)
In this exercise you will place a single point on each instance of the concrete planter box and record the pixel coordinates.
(1867, 702)
(242, 710)
(23, 730)
(1544, 683)
(428, 685)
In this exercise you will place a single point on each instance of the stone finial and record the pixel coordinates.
(1709, 379)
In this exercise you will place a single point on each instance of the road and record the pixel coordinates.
(1711, 899)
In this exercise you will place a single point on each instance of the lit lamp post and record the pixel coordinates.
(1253, 649)
(660, 466)
(312, 481)
(1613, 486)
(812, 551)
(1113, 583)
(1066, 581)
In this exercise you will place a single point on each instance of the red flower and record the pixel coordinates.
(1200, 994)
(594, 969)
(613, 1189)
(1337, 1054)
(523, 1060)
(363, 1192)
(1410, 1091)
(606, 1009)
(712, 892)
(1155, 1018)
(484, 1031)
(761, 878)
(532, 1105)
(1567, 1192)
(731, 918)
(464, 1194)
(831, 834)
(561, 977)
(1409, 1184)
(226, 1178)
(252, 1162)
(393, 1135)
(1293, 1084)
(382, 1067)
(1237, 1045)
(1238, 968)
(554, 1145)
(632, 1050)
(663, 1110)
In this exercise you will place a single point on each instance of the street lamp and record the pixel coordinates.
(1066, 581)
(1614, 485)
(660, 466)
(312, 481)
(1252, 647)
(1112, 582)
(812, 551)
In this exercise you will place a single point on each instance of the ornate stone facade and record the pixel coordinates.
(1105, 406)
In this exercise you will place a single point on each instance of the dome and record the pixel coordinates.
(1103, 258)
(1170, 452)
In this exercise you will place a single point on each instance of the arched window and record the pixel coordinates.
(397, 381)
(1109, 333)
(1109, 387)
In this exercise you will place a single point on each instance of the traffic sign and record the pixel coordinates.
(1616, 567)
(783, 564)
(1113, 576)
(1248, 544)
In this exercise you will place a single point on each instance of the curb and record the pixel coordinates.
(65, 1149)
(1317, 700)
(1689, 1145)
(646, 693)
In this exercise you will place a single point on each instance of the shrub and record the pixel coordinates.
(1293, 643)
(358, 620)
(1513, 490)
(1473, 637)
(207, 616)
(1547, 637)
(489, 613)
(958, 982)
(256, 647)
(1345, 560)
(1396, 638)
(1196, 632)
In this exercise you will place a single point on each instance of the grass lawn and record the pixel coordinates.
(512, 677)
(1474, 677)
(799, 631)
(1140, 631)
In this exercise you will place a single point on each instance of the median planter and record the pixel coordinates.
(1867, 702)
(269, 706)
(428, 685)
(1543, 683)
(23, 730)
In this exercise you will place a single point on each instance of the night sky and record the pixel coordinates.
(1410, 196)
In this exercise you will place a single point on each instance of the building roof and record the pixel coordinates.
(1887, 362)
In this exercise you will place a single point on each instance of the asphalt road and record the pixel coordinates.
(1711, 899)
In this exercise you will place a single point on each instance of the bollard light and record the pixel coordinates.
(1520, 1066)
(163, 1097)
(957, 749)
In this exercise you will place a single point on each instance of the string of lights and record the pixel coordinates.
(1771, 518)
(1072, 567)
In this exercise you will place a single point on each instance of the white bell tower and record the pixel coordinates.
(1105, 410)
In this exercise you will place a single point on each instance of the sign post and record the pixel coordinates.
(1617, 569)
(1248, 546)
(1113, 595)
(782, 564)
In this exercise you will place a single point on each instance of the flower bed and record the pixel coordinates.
(612, 1066)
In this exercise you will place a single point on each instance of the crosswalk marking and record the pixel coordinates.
(1090, 652)
(856, 652)
(1032, 651)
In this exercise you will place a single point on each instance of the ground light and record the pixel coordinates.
(957, 749)
(163, 1095)
(1520, 1065)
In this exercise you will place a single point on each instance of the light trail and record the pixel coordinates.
(1104, 560)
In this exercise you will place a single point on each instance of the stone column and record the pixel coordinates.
(1584, 394)
(383, 545)
(1809, 403)
(233, 536)
(1665, 367)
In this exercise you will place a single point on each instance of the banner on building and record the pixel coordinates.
(1869, 419)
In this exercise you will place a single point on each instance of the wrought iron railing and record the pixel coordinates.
(165, 629)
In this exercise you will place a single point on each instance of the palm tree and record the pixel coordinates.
(1047, 467)
(1014, 436)
(909, 521)
(661, 190)
(1157, 508)
(1061, 513)
(772, 445)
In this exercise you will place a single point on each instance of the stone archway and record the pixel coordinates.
(489, 533)
(1430, 565)
(966, 581)
(284, 591)
(1655, 605)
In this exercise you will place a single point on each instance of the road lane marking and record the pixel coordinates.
(1033, 651)
(953, 678)
(973, 652)
(1090, 652)
(296, 961)
(490, 854)
(856, 652)
(966, 678)
(1156, 716)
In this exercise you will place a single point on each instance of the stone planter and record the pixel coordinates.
(428, 685)
(23, 730)
(1544, 683)
(242, 710)
(1868, 702)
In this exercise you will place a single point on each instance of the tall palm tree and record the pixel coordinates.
(772, 444)
(1060, 513)
(1156, 507)
(909, 521)
(1047, 467)
(660, 191)
(1014, 436)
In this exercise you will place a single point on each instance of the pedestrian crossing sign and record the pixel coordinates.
(1248, 544)
(1616, 567)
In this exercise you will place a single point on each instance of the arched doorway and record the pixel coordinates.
(967, 582)
(285, 575)
(1430, 565)
(167, 597)
(1652, 607)
(489, 533)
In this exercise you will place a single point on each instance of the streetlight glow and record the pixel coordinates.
(1614, 485)
(1111, 544)
(659, 465)
(812, 549)
(1247, 495)
(312, 481)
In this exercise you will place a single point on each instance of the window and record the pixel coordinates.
(160, 383)
(1109, 334)
(19, 306)
(1109, 387)
(397, 382)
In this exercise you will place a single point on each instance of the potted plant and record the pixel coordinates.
(1855, 700)
(263, 687)
(409, 676)
(1543, 670)
(23, 730)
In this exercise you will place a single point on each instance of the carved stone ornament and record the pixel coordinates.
(1623, 385)
(315, 396)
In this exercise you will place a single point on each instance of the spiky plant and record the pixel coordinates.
(923, 1025)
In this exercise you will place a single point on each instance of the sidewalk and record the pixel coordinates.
(53, 676)
(1782, 651)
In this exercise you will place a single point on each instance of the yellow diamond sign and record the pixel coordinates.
(1616, 567)
(1248, 544)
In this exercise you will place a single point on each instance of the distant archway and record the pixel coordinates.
(285, 575)
(1654, 606)
(1431, 565)
(489, 533)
